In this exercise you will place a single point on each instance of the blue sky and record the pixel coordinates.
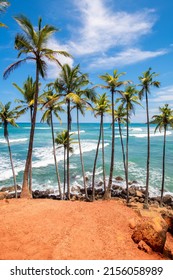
(102, 35)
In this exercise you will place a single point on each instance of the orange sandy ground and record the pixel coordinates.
(67, 230)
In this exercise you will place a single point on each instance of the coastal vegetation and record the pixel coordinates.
(72, 90)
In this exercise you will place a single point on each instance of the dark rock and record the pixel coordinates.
(100, 184)
(10, 189)
(168, 217)
(116, 187)
(168, 199)
(118, 178)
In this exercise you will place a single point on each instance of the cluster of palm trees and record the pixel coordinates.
(72, 89)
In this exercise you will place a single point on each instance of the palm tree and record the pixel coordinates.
(53, 106)
(85, 96)
(113, 84)
(7, 117)
(3, 5)
(63, 139)
(147, 81)
(28, 91)
(129, 99)
(120, 117)
(68, 83)
(32, 44)
(163, 121)
(102, 107)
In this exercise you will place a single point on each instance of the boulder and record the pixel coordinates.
(139, 194)
(151, 230)
(169, 220)
(10, 189)
(119, 178)
(3, 195)
(75, 189)
(144, 247)
(168, 199)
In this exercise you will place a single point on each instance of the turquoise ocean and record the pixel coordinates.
(43, 163)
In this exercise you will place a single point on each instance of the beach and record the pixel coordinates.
(69, 230)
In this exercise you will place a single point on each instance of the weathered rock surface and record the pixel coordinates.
(151, 230)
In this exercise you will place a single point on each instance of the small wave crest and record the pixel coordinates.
(3, 141)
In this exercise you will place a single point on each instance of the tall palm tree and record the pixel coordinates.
(27, 103)
(146, 82)
(163, 121)
(3, 6)
(86, 97)
(8, 116)
(53, 106)
(70, 80)
(120, 117)
(32, 44)
(63, 139)
(102, 106)
(113, 84)
(129, 99)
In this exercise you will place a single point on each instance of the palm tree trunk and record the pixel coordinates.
(54, 154)
(68, 150)
(81, 157)
(107, 194)
(25, 189)
(95, 163)
(122, 146)
(148, 155)
(30, 169)
(64, 170)
(127, 157)
(103, 154)
(163, 168)
(12, 166)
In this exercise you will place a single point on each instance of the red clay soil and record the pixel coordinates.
(67, 230)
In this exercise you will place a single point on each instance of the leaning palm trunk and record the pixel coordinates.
(95, 162)
(30, 169)
(122, 146)
(55, 160)
(163, 168)
(148, 155)
(12, 166)
(103, 154)
(68, 148)
(25, 190)
(81, 157)
(127, 158)
(107, 194)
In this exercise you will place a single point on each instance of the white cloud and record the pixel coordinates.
(129, 56)
(54, 70)
(164, 95)
(101, 28)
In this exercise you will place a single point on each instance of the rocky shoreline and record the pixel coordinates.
(136, 193)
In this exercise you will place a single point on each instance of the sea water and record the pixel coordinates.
(43, 162)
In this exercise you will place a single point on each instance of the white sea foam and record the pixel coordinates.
(87, 147)
(3, 141)
(135, 129)
(38, 128)
(158, 134)
(5, 168)
(76, 132)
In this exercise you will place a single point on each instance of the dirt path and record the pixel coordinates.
(66, 230)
